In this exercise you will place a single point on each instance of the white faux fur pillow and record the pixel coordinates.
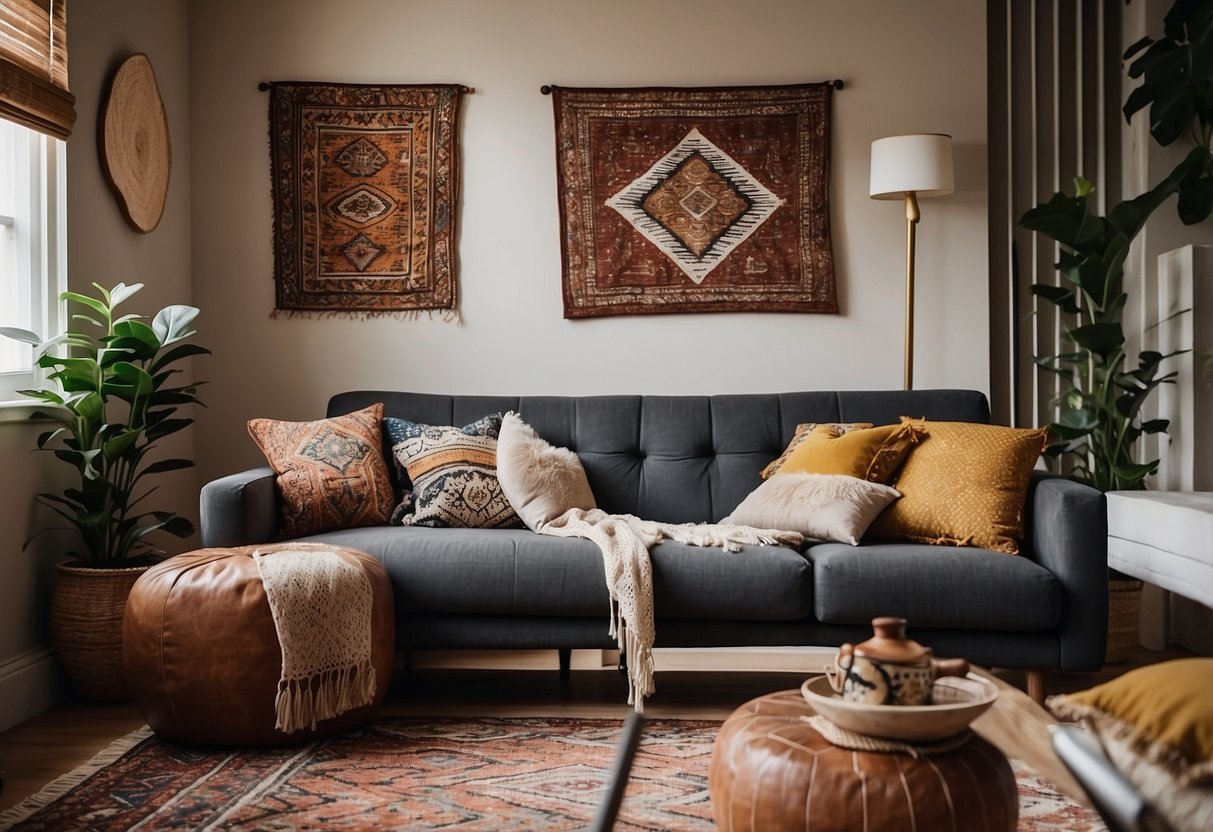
(819, 506)
(540, 480)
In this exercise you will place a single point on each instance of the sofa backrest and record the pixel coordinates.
(677, 459)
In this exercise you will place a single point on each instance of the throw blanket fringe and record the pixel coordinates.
(321, 606)
(625, 541)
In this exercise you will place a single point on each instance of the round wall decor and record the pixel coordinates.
(135, 153)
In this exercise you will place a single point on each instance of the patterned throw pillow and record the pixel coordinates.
(802, 432)
(964, 485)
(331, 473)
(454, 478)
(872, 454)
(398, 430)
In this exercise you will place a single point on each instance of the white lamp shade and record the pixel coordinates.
(920, 163)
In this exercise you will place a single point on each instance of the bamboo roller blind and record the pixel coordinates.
(33, 66)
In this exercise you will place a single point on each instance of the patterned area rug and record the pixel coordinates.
(419, 774)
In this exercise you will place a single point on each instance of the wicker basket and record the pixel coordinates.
(86, 628)
(1124, 605)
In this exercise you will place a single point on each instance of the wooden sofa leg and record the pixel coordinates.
(1037, 680)
(566, 662)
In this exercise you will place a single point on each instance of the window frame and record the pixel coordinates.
(39, 240)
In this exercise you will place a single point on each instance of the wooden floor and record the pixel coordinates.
(53, 743)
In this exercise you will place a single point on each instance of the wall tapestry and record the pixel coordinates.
(695, 199)
(365, 186)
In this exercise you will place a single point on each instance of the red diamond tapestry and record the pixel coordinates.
(695, 199)
(365, 184)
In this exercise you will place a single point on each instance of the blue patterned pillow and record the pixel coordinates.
(397, 431)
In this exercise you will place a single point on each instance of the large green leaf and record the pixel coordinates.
(172, 323)
(84, 300)
(22, 335)
(1101, 338)
(122, 292)
(175, 354)
(163, 465)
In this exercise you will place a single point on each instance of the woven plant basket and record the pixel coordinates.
(1124, 606)
(86, 628)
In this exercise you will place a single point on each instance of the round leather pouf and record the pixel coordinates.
(202, 655)
(772, 771)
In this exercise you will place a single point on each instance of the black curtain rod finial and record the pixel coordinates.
(546, 89)
(264, 85)
(837, 84)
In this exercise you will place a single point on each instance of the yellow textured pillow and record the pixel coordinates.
(802, 432)
(873, 454)
(1156, 726)
(964, 485)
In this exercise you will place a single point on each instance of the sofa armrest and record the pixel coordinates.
(240, 510)
(1067, 530)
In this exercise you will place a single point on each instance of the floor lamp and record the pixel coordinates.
(907, 168)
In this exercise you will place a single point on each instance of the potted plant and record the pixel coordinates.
(1104, 389)
(114, 398)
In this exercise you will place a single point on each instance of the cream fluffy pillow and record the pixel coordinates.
(819, 506)
(540, 480)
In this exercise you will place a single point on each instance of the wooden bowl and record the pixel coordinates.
(956, 701)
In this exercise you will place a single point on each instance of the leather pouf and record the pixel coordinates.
(202, 655)
(772, 771)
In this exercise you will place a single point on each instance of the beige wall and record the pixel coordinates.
(908, 67)
(102, 248)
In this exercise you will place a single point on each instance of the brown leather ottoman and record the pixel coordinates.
(772, 771)
(202, 655)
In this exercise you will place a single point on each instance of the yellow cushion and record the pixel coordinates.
(1156, 726)
(802, 432)
(873, 454)
(964, 485)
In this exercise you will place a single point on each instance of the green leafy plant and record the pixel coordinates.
(1104, 391)
(1176, 73)
(113, 398)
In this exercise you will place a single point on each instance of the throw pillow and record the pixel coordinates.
(454, 477)
(802, 432)
(872, 454)
(540, 480)
(397, 430)
(331, 472)
(819, 506)
(964, 485)
(1156, 724)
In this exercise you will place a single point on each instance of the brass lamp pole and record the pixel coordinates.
(906, 168)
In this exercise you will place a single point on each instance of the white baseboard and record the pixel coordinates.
(30, 683)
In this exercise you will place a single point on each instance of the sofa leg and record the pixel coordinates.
(1037, 680)
(566, 662)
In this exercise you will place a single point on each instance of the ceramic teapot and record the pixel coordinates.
(889, 669)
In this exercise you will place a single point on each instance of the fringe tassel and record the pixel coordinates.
(62, 785)
(446, 316)
(302, 703)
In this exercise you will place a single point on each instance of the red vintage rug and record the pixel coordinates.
(421, 774)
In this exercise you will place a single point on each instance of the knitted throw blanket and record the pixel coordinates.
(625, 542)
(321, 605)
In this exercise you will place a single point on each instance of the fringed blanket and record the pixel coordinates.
(625, 542)
(322, 611)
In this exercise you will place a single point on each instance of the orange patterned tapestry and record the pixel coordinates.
(695, 199)
(365, 184)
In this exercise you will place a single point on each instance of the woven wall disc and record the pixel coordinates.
(135, 152)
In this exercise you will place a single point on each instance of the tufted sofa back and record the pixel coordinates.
(677, 459)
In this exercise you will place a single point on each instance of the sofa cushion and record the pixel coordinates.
(818, 506)
(873, 454)
(331, 472)
(517, 572)
(964, 485)
(802, 432)
(933, 587)
(540, 480)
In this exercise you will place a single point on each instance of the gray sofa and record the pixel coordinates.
(693, 459)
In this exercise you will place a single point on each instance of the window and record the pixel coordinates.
(32, 246)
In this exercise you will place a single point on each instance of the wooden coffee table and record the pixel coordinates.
(1019, 728)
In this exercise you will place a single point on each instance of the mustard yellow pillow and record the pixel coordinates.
(964, 485)
(873, 454)
(1156, 725)
(802, 433)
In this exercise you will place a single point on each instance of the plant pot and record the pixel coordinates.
(86, 628)
(1124, 607)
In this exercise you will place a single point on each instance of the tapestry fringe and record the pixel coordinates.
(446, 316)
(303, 702)
(60, 786)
